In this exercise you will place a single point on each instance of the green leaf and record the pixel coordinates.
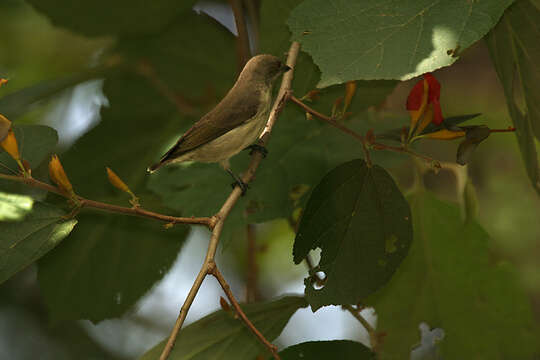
(337, 349)
(362, 223)
(14, 207)
(450, 281)
(108, 263)
(515, 52)
(122, 17)
(26, 241)
(221, 335)
(397, 39)
(36, 143)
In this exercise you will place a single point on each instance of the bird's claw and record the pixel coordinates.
(242, 185)
(256, 147)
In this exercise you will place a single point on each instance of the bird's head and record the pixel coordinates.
(264, 68)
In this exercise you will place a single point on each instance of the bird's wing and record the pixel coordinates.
(227, 115)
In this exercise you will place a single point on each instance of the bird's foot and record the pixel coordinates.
(238, 182)
(242, 185)
(256, 147)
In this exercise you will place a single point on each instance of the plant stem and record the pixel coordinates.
(133, 211)
(226, 288)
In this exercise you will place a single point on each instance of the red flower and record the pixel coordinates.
(423, 103)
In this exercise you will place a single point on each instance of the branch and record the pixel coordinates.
(242, 43)
(357, 136)
(209, 265)
(133, 211)
(226, 288)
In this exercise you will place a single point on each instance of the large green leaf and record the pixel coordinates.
(135, 129)
(337, 349)
(14, 207)
(396, 39)
(515, 51)
(26, 241)
(106, 266)
(362, 223)
(123, 17)
(449, 281)
(222, 335)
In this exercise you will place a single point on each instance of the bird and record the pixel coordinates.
(234, 124)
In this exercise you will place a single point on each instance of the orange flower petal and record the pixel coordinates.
(350, 90)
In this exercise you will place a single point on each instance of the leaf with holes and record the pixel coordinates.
(362, 223)
(222, 335)
(397, 39)
(24, 242)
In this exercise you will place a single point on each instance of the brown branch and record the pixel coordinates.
(357, 136)
(226, 288)
(242, 43)
(219, 219)
(373, 335)
(253, 13)
(133, 211)
(251, 281)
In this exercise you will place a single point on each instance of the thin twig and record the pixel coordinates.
(373, 336)
(251, 281)
(242, 42)
(249, 324)
(357, 136)
(227, 206)
(133, 211)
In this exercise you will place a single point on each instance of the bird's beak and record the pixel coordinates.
(286, 68)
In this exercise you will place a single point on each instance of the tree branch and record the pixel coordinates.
(209, 266)
(133, 211)
(226, 288)
(357, 136)
(242, 43)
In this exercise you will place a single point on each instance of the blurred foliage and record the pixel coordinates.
(447, 277)
(164, 66)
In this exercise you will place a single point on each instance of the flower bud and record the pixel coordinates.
(58, 175)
